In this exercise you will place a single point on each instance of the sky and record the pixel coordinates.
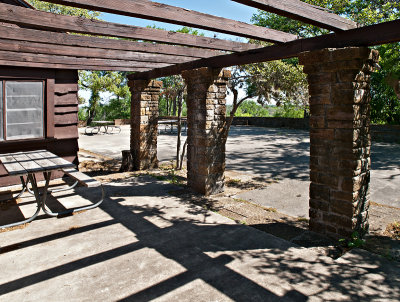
(221, 8)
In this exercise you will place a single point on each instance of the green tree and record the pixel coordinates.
(280, 82)
(64, 10)
(385, 82)
(101, 81)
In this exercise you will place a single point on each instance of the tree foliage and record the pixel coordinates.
(280, 81)
(64, 10)
(104, 81)
(385, 82)
(172, 94)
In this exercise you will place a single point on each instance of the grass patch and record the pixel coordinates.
(302, 219)
(393, 230)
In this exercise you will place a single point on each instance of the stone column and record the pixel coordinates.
(206, 92)
(144, 126)
(339, 87)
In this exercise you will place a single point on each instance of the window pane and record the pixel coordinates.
(1, 111)
(24, 110)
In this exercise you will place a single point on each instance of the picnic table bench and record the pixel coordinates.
(27, 164)
(108, 126)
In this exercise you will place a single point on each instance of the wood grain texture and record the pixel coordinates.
(66, 132)
(53, 59)
(176, 15)
(66, 109)
(29, 165)
(12, 166)
(302, 11)
(53, 22)
(66, 99)
(69, 66)
(65, 88)
(42, 36)
(86, 52)
(66, 119)
(50, 83)
(43, 162)
(84, 179)
(383, 33)
(55, 159)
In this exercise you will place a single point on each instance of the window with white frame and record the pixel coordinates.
(22, 108)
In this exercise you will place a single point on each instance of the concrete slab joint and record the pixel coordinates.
(339, 87)
(144, 123)
(206, 104)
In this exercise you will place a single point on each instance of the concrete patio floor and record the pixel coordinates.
(271, 153)
(145, 244)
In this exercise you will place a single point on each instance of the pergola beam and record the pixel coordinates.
(33, 35)
(68, 66)
(85, 52)
(377, 34)
(53, 59)
(180, 16)
(302, 11)
(54, 22)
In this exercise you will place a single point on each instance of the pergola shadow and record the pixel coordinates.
(241, 263)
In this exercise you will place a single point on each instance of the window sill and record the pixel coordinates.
(27, 141)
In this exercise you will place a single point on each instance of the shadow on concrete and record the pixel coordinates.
(218, 254)
(284, 153)
(273, 153)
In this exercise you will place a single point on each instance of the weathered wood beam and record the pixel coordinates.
(49, 21)
(52, 59)
(67, 66)
(86, 52)
(176, 15)
(377, 34)
(34, 35)
(302, 11)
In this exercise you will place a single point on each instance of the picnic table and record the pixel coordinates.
(108, 126)
(169, 124)
(27, 164)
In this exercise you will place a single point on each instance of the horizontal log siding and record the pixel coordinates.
(64, 105)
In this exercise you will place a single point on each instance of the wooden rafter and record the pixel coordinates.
(68, 66)
(49, 21)
(33, 35)
(176, 15)
(53, 59)
(378, 34)
(86, 52)
(302, 11)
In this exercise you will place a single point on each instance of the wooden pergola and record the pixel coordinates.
(338, 67)
(44, 39)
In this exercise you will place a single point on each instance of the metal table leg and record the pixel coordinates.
(32, 179)
(69, 211)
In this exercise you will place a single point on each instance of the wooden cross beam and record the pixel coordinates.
(53, 59)
(176, 15)
(43, 20)
(86, 52)
(377, 34)
(302, 11)
(33, 35)
(69, 66)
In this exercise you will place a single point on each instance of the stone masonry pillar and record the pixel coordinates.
(206, 92)
(144, 124)
(339, 88)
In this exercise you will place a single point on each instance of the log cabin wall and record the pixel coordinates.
(61, 115)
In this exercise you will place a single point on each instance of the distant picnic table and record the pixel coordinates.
(170, 122)
(108, 126)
